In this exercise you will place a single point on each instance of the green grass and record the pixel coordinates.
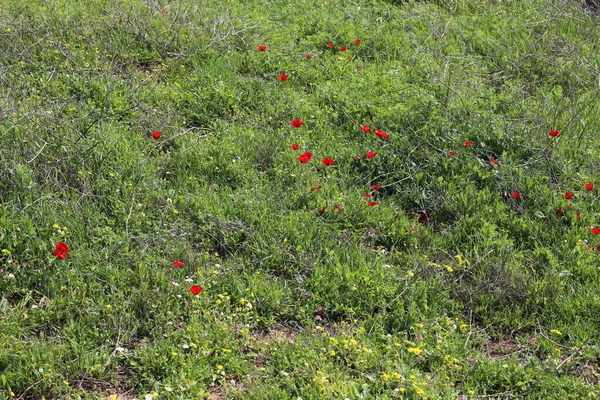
(447, 288)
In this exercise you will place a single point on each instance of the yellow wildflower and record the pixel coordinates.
(415, 350)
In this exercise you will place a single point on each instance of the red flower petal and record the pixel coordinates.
(370, 154)
(321, 211)
(330, 45)
(381, 134)
(262, 48)
(468, 144)
(372, 203)
(366, 129)
(61, 250)
(312, 187)
(156, 135)
(568, 195)
(342, 48)
(375, 187)
(164, 12)
(195, 290)
(337, 208)
(367, 196)
(595, 231)
(554, 133)
(305, 157)
(589, 186)
(357, 41)
(327, 161)
(516, 195)
(452, 153)
(295, 146)
(297, 123)
(178, 264)
(308, 56)
(283, 77)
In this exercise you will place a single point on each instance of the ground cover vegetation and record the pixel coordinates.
(299, 199)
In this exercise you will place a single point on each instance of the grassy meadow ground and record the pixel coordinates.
(471, 271)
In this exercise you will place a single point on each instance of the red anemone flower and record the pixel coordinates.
(568, 195)
(343, 48)
(357, 41)
(367, 196)
(295, 146)
(297, 123)
(330, 45)
(381, 134)
(61, 250)
(516, 195)
(305, 157)
(366, 129)
(262, 48)
(156, 135)
(375, 187)
(451, 153)
(321, 211)
(554, 133)
(308, 56)
(595, 231)
(589, 186)
(164, 12)
(327, 161)
(283, 77)
(372, 203)
(195, 289)
(370, 154)
(313, 187)
(337, 208)
(559, 213)
(178, 264)
(468, 144)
